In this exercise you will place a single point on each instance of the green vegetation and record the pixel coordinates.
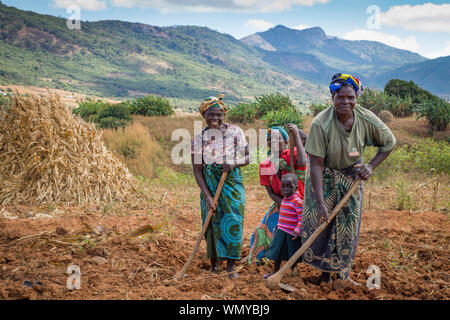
(404, 89)
(104, 114)
(437, 112)
(283, 117)
(151, 106)
(243, 112)
(122, 59)
(423, 156)
(377, 101)
(274, 109)
(316, 108)
(114, 115)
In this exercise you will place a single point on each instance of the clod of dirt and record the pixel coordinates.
(97, 252)
(63, 259)
(60, 231)
(94, 280)
(10, 258)
(38, 288)
(98, 260)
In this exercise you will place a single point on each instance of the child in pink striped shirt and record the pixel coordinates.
(287, 236)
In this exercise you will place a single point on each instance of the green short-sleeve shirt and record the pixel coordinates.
(328, 140)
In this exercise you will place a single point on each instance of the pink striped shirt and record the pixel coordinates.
(290, 218)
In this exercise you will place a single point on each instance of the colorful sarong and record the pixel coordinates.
(335, 248)
(262, 236)
(227, 221)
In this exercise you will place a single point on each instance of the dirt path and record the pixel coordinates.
(412, 251)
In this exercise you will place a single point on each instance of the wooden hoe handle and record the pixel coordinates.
(273, 282)
(180, 274)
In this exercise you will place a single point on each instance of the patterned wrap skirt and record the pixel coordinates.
(335, 248)
(262, 236)
(224, 233)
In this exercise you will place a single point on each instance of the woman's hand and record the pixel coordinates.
(297, 234)
(210, 203)
(364, 171)
(322, 213)
(292, 129)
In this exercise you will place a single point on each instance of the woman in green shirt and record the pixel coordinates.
(335, 144)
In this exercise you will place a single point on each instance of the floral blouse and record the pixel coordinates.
(212, 147)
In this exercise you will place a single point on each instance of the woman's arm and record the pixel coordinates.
(240, 162)
(317, 183)
(366, 170)
(301, 154)
(275, 197)
(200, 179)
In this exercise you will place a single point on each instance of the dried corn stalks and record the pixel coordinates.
(46, 154)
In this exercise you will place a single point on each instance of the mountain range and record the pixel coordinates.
(188, 63)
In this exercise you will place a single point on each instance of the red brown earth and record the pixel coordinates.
(411, 249)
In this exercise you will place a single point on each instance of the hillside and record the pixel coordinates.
(187, 63)
(336, 52)
(432, 75)
(313, 55)
(122, 59)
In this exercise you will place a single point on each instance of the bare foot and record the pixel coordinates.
(215, 270)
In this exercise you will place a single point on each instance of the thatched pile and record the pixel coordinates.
(48, 155)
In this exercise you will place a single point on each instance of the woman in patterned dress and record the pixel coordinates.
(335, 145)
(221, 147)
(270, 172)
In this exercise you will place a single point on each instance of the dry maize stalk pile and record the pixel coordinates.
(49, 155)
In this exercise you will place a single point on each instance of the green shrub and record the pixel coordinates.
(88, 109)
(152, 106)
(111, 123)
(436, 112)
(400, 107)
(374, 100)
(263, 106)
(103, 114)
(272, 102)
(316, 108)
(421, 156)
(404, 198)
(281, 118)
(242, 113)
(403, 89)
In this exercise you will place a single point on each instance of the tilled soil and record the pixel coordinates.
(411, 250)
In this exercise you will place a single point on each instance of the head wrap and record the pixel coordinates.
(281, 130)
(340, 79)
(283, 133)
(212, 102)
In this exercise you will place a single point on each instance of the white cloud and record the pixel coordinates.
(440, 53)
(219, 5)
(424, 17)
(409, 43)
(255, 25)
(90, 5)
(301, 27)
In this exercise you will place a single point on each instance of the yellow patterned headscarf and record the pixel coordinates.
(213, 102)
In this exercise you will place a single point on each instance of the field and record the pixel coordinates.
(132, 250)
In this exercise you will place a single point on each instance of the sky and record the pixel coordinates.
(419, 26)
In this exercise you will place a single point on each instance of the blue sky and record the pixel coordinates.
(419, 26)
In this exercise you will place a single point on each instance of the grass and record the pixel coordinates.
(414, 177)
(135, 147)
